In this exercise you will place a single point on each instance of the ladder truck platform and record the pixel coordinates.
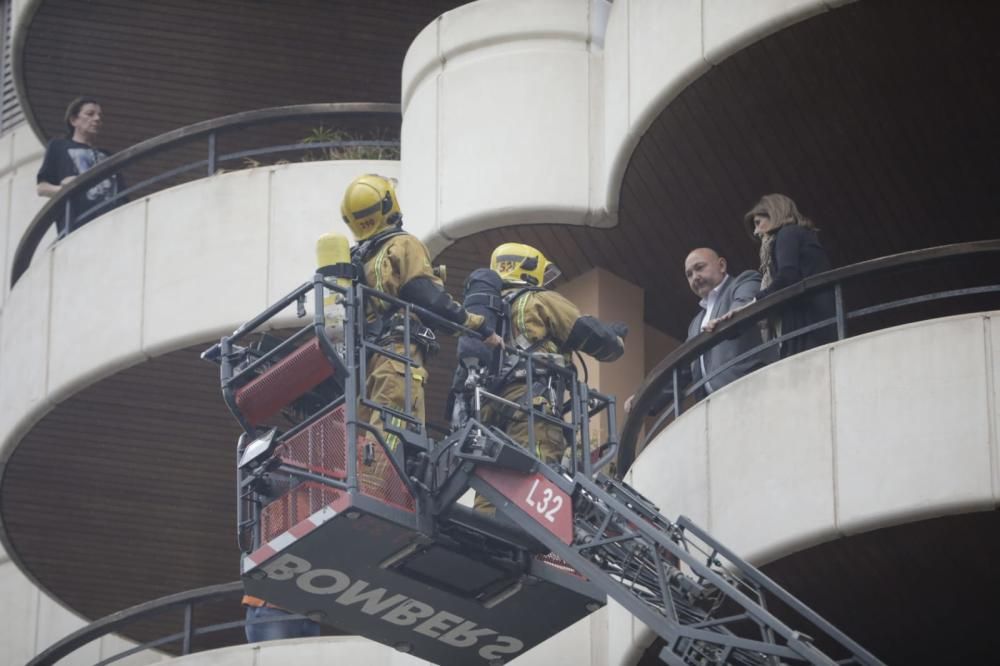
(341, 526)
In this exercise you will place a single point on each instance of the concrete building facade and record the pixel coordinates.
(615, 136)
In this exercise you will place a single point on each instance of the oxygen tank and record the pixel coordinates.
(333, 250)
(483, 290)
(476, 361)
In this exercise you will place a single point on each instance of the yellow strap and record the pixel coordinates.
(378, 267)
(522, 304)
(390, 439)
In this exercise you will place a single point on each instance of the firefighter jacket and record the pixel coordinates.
(400, 266)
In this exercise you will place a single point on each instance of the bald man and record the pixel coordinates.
(719, 292)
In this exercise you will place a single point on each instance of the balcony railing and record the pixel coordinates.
(281, 133)
(869, 295)
(183, 641)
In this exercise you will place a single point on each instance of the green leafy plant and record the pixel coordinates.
(363, 151)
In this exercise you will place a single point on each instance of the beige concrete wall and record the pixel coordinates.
(501, 115)
(654, 49)
(610, 298)
(890, 427)
(658, 345)
(545, 100)
(20, 157)
(30, 621)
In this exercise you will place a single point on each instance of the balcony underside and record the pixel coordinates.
(877, 117)
(160, 66)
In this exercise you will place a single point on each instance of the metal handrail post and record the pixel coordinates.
(677, 393)
(188, 628)
(211, 153)
(838, 300)
(68, 216)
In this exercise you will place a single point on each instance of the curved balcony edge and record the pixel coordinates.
(886, 428)
(597, 79)
(475, 27)
(52, 212)
(701, 35)
(831, 281)
(473, 82)
(72, 320)
(618, 642)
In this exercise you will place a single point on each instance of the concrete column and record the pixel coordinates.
(610, 298)
(507, 91)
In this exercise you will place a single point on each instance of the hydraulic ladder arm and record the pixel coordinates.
(706, 603)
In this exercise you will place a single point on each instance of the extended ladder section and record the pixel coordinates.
(374, 539)
(708, 605)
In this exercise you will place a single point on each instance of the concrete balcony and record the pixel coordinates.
(831, 464)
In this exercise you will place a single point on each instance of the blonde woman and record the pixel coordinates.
(789, 252)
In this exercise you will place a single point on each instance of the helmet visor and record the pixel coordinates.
(551, 274)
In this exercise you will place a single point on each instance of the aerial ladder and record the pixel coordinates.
(373, 539)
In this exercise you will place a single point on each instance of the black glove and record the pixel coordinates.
(620, 329)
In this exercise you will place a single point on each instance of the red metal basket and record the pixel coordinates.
(283, 382)
(293, 507)
(320, 448)
(380, 480)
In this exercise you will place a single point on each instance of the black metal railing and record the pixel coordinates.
(183, 640)
(202, 149)
(879, 290)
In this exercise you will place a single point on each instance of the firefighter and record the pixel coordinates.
(550, 327)
(398, 264)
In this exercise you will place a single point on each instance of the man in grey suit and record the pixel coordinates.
(719, 292)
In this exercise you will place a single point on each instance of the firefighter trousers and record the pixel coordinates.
(386, 385)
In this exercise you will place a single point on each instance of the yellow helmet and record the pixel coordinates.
(370, 205)
(523, 264)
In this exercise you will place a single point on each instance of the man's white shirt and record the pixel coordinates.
(709, 304)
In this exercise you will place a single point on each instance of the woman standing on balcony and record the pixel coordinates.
(67, 158)
(789, 252)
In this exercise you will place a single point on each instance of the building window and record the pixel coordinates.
(10, 108)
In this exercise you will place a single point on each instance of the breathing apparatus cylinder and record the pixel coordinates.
(476, 361)
(483, 296)
(333, 251)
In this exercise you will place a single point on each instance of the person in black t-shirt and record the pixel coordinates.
(65, 159)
